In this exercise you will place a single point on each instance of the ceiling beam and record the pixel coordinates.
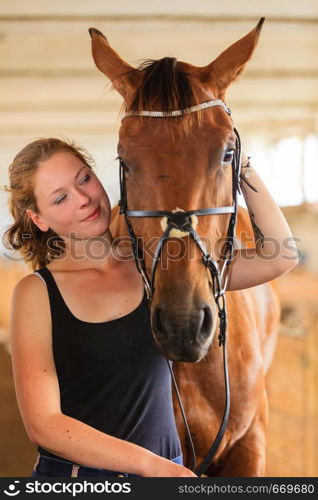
(180, 18)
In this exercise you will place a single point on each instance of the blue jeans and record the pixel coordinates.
(52, 467)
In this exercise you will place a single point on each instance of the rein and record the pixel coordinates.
(183, 221)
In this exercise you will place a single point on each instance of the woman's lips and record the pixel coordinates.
(93, 216)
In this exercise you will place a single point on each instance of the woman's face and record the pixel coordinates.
(70, 198)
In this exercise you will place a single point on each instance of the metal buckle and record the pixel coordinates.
(179, 219)
(75, 469)
(36, 462)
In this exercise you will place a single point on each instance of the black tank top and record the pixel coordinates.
(112, 376)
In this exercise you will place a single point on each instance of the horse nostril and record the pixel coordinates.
(206, 325)
(157, 320)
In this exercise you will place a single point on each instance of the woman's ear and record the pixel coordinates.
(37, 220)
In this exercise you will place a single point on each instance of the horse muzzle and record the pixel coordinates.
(184, 335)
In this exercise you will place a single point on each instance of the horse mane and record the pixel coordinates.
(165, 87)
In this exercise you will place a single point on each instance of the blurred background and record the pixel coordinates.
(49, 86)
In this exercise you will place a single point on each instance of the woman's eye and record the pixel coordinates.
(228, 156)
(85, 179)
(59, 199)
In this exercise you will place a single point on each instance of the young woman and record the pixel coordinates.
(93, 390)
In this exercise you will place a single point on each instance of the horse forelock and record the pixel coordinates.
(166, 86)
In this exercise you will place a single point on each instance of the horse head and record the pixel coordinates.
(175, 164)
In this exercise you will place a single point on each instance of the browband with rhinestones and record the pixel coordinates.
(179, 112)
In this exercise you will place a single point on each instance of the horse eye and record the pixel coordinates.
(123, 164)
(228, 156)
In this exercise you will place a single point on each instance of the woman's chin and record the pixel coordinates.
(96, 232)
(90, 232)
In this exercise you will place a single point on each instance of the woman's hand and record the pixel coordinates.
(244, 158)
(162, 467)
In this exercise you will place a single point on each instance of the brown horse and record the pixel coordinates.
(178, 162)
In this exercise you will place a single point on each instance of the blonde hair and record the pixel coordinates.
(38, 248)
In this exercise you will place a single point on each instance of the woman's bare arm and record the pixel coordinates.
(38, 396)
(275, 252)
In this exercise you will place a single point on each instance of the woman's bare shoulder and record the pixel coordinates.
(30, 294)
(30, 283)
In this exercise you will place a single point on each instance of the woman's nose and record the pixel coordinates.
(83, 199)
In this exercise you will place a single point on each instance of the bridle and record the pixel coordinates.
(182, 221)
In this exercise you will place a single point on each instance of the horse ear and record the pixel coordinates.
(230, 63)
(123, 76)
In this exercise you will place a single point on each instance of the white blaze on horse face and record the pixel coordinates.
(177, 233)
